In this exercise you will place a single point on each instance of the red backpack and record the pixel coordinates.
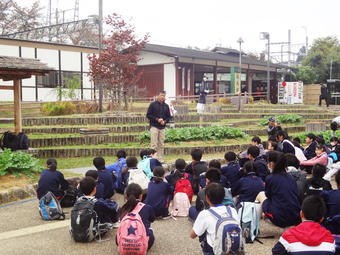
(184, 185)
(131, 234)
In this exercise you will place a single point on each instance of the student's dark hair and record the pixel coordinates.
(273, 156)
(196, 154)
(256, 139)
(158, 173)
(319, 170)
(320, 146)
(313, 208)
(177, 176)
(99, 163)
(143, 152)
(320, 140)
(213, 175)
(230, 156)
(132, 191)
(180, 164)
(311, 136)
(337, 178)
(215, 192)
(249, 167)
(280, 165)
(151, 151)
(275, 145)
(297, 139)
(334, 139)
(131, 162)
(92, 173)
(87, 185)
(121, 154)
(282, 133)
(214, 163)
(272, 138)
(292, 160)
(51, 164)
(296, 144)
(161, 92)
(254, 151)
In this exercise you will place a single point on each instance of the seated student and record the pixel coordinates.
(280, 201)
(334, 142)
(287, 146)
(212, 176)
(159, 193)
(117, 168)
(332, 200)
(99, 186)
(153, 161)
(205, 223)
(104, 177)
(255, 141)
(320, 140)
(133, 195)
(321, 158)
(214, 163)
(196, 168)
(297, 143)
(248, 186)
(232, 170)
(316, 184)
(311, 145)
(107, 210)
(273, 146)
(273, 142)
(293, 167)
(131, 164)
(180, 165)
(260, 163)
(52, 180)
(309, 237)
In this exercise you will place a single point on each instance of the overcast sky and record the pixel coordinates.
(208, 23)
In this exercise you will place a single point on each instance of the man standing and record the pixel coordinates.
(273, 127)
(324, 94)
(158, 115)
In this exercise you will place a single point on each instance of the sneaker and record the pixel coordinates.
(166, 217)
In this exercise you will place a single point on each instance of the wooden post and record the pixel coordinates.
(17, 106)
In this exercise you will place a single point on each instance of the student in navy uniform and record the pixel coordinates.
(214, 163)
(104, 176)
(180, 165)
(287, 146)
(52, 180)
(196, 168)
(120, 164)
(259, 162)
(133, 194)
(311, 146)
(297, 143)
(320, 140)
(159, 193)
(232, 170)
(274, 143)
(280, 202)
(99, 186)
(153, 160)
(248, 186)
(243, 156)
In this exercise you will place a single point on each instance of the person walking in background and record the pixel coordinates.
(158, 115)
(324, 94)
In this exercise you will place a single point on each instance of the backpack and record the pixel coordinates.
(144, 164)
(9, 140)
(49, 207)
(70, 197)
(180, 205)
(228, 234)
(228, 199)
(22, 141)
(138, 176)
(184, 186)
(118, 185)
(84, 220)
(249, 220)
(131, 234)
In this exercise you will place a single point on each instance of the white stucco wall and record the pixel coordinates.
(70, 61)
(170, 79)
(50, 57)
(8, 50)
(150, 58)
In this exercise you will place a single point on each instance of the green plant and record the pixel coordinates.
(18, 163)
(327, 135)
(72, 86)
(283, 119)
(58, 108)
(192, 134)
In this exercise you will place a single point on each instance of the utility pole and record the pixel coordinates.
(289, 52)
(100, 28)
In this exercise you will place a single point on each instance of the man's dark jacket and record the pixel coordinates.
(157, 111)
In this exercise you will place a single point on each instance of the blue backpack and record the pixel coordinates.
(49, 207)
(249, 220)
(118, 185)
(144, 164)
(228, 199)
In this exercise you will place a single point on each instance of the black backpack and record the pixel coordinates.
(70, 197)
(23, 141)
(9, 140)
(84, 220)
(49, 207)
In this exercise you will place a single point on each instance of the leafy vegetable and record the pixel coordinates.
(286, 118)
(327, 135)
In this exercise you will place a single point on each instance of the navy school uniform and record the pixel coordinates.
(154, 162)
(247, 188)
(262, 168)
(106, 178)
(231, 172)
(53, 181)
(287, 147)
(282, 205)
(310, 150)
(332, 219)
(106, 210)
(158, 197)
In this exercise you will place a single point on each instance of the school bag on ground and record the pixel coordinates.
(22, 141)
(184, 185)
(70, 197)
(144, 164)
(138, 176)
(49, 207)
(9, 140)
(228, 234)
(131, 234)
(249, 220)
(180, 205)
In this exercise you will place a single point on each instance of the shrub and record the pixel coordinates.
(86, 107)
(191, 134)
(224, 100)
(58, 108)
(18, 163)
(286, 119)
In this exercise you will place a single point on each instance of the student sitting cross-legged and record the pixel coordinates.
(104, 176)
(309, 237)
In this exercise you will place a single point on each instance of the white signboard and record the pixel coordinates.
(290, 92)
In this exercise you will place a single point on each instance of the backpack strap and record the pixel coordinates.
(138, 208)
(219, 216)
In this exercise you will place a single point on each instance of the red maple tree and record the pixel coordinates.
(116, 66)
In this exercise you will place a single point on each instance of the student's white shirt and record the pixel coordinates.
(299, 154)
(206, 221)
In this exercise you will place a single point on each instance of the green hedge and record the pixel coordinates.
(198, 134)
(283, 119)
